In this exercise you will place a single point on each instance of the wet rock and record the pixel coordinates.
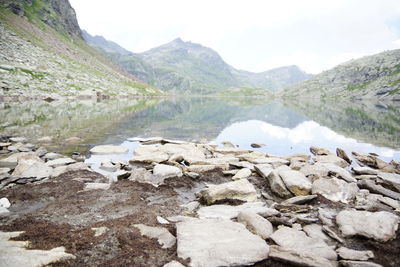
(230, 212)
(257, 145)
(30, 166)
(142, 175)
(342, 154)
(167, 171)
(351, 254)
(296, 240)
(242, 174)
(318, 151)
(275, 181)
(296, 182)
(380, 226)
(60, 162)
(173, 264)
(335, 189)
(364, 170)
(164, 237)
(375, 188)
(240, 190)
(255, 223)
(298, 259)
(15, 253)
(217, 242)
(96, 186)
(346, 263)
(107, 165)
(332, 159)
(108, 149)
(299, 199)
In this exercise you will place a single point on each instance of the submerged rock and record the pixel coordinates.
(108, 149)
(381, 226)
(218, 242)
(237, 190)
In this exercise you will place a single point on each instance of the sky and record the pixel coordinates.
(253, 35)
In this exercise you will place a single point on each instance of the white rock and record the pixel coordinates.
(296, 182)
(242, 174)
(100, 231)
(347, 263)
(255, 223)
(332, 159)
(351, 254)
(52, 155)
(275, 181)
(338, 172)
(299, 200)
(164, 237)
(335, 189)
(240, 190)
(4, 210)
(96, 186)
(30, 166)
(108, 149)
(142, 175)
(161, 220)
(5, 203)
(4, 170)
(298, 241)
(15, 253)
(173, 264)
(12, 160)
(391, 178)
(380, 226)
(230, 212)
(364, 170)
(60, 162)
(202, 168)
(167, 171)
(216, 242)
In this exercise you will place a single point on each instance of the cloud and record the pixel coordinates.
(254, 34)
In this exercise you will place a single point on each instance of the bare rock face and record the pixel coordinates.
(237, 190)
(218, 242)
(381, 226)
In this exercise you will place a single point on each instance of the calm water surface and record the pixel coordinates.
(285, 128)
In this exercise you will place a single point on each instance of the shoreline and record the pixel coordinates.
(172, 186)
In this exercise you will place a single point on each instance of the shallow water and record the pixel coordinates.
(284, 128)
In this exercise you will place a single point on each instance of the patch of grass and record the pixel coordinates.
(34, 74)
(359, 86)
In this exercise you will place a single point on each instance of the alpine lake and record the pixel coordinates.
(282, 127)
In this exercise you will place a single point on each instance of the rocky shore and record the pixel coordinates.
(178, 203)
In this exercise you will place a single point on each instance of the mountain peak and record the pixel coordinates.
(178, 41)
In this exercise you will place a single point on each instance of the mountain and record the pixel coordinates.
(187, 67)
(370, 77)
(43, 54)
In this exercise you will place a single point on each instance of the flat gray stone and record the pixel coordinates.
(108, 149)
(298, 259)
(351, 254)
(298, 241)
(164, 237)
(364, 171)
(299, 200)
(142, 175)
(391, 178)
(167, 171)
(31, 166)
(338, 172)
(242, 174)
(237, 190)
(380, 226)
(96, 186)
(60, 162)
(230, 212)
(332, 159)
(218, 242)
(346, 263)
(255, 223)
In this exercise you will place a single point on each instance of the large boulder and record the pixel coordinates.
(381, 226)
(237, 190)
(218, 242)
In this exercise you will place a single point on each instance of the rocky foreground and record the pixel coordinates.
(185, 204)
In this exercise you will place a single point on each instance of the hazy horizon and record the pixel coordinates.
(252, 35)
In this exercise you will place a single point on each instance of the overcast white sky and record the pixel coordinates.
(254, 35)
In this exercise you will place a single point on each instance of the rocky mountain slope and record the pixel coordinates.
(192, 68)
(371, 77)
(42, 54)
